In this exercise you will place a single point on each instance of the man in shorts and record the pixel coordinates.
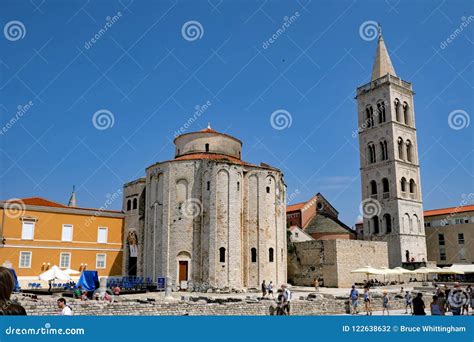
(354, 300)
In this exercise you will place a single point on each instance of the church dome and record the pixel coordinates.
(207, 141)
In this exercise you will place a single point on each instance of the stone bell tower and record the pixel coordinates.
(390, 173)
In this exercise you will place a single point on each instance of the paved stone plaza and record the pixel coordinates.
(327, 301)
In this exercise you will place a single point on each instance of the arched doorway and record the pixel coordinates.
(184, 269)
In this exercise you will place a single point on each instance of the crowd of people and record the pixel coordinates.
(283, 297)
(456, 301)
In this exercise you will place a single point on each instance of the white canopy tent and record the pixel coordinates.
(466, 268)
(69, 271)
(54, 273)
(368, 270)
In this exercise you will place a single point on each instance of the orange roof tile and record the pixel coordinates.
(42, 202)
(447, 211)
(38, 201)
(208, 130)
(212, 156)
(294, 207)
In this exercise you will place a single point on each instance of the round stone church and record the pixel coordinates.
(207, 219)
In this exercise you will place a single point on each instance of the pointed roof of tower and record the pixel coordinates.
(382, 63)
(72, 199)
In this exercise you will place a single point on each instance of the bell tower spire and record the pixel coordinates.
(392, 205)
(382, 63)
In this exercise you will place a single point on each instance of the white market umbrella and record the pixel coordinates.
(466, 268)
(400, 271)
(54, 273)
(71, 272)
(368, 270)
(447, 270)
(387, 272)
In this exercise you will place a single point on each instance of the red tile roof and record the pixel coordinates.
(42, 202)
(448, 211)
(212, 156)
(208, 130)
(295, 207)
(38, 201)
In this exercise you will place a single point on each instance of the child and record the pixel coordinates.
(408, 301)
(368, 308)
(385, 304)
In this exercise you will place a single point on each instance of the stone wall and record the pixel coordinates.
(332, 260)
(320, 306)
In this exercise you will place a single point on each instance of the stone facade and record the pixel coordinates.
(390, 172)
(331, 261)
(209, 219)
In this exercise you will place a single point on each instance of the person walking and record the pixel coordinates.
(470, 292)
(316, 284)
(454, 301)
(7, 284)
(465, 307)
(385, 305)
(270, 289)
(286, 299)
(354, 300)
(408, 302)
(442, 302)
(434, 307)
(419, 305)
(367, 301)
(264, 289)
(65, 309)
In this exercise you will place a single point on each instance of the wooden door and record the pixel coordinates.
(183, 271)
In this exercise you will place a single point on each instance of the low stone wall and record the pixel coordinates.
(319, 306)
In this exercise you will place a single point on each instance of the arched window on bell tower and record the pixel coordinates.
(387, 219)
(403, 185)
(369, 116)
(375, 221)
(400, 149)
(383, 150)
(406, 114)
(385, 188)
(371, 153)
(412, 189)
(381, 111)
(397, 109)
(373, 189)
(409, 151)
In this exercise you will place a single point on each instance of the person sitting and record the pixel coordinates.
(78, 292)
(7, 306)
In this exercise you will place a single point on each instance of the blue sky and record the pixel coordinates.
(150, 79)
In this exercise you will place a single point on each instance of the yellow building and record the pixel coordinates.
(450, 235)
(36, 234)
